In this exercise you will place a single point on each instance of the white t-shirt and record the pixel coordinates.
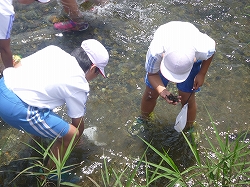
(50, 78)
(176, 34)
(6, 7)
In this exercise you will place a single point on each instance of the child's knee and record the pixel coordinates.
(72, 133)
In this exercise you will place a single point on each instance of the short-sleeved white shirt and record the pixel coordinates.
(6, 7)
(50, 78)
(177, 34)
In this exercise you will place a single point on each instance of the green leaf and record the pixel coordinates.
(69, 184)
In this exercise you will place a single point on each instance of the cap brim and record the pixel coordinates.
(43, 1)
(176, 78)
(102, 72)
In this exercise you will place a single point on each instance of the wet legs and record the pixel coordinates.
(6, 53)
(149, 100)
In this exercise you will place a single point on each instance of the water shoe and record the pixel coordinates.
(137, 126)
(193, 133)
(71, 26)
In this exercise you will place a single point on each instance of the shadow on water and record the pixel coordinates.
(169, 140)
(166, 139)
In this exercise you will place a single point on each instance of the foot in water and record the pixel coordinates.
(71, 26)
(193, 133)
(141, 123)
(137, 126)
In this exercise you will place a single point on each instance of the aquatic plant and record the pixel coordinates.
(38, 164)
(225, 164)
(247, 8)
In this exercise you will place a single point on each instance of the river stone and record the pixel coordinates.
(12, 146)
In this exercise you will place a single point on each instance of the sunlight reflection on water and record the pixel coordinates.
(126, 29)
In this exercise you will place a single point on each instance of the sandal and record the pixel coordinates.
(71, 26)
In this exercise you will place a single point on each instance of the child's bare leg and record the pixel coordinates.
(60, 146)
(192, 107)
(148, 102)
(71, 9)
(5, 52)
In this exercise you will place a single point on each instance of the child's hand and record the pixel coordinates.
(170, 98)
(173, 99)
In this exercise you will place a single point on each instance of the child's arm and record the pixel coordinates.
(156, 82)
(200, 77)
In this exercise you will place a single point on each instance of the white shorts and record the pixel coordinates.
(6, 25)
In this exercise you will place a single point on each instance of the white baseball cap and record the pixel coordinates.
(43, 1)
(177, 63)
(97, 53)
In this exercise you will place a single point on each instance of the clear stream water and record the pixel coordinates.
(126, 27)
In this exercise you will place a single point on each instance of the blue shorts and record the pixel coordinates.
(39, 122)
(185, 86)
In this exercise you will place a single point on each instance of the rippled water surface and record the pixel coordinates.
(125, 27)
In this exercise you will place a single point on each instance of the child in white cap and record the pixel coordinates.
(179, 53)
(45, 80)
(7, 16)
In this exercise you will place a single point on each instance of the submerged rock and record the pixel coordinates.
(12, 145)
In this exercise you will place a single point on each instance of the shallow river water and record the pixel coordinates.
(125, 28)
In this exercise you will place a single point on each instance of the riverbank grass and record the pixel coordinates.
(221, 163)
(224, 164)
(43, 173)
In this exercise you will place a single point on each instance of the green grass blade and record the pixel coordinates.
(93, 181)
(69, 184)
(103, 178)
(132, 176)
(218, 138)
(118, 178)
(193, 149)
(167, 159)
